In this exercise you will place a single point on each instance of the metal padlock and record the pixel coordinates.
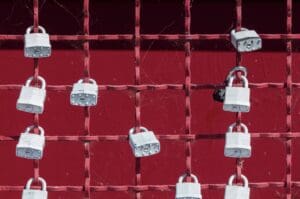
(245, 40)
(219, 93)
(37, 45)
(235, 191)
(237, 144)
(31, 99)
(84, 93)
(237, 99)
(143, 143)
(29, 193)
(188, 190)
(30, 145)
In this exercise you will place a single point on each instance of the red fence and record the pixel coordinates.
(157, 64)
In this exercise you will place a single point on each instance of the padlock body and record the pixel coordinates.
(237, 145)
(237, 99)
(246, 41)
(188, 190)
(30, 146)
(84, 94)
(37, 45)
(144, 144)
(31, 99)
(34, 194)
(237, 192)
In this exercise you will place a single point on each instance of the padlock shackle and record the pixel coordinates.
(42, 180)
(142, 129)
(244, 79)
(41, 129)
(242, 29)
(235, 69)
(29, 80)
(244, 178)
(230, 128)
(90, 79)
(30, 28)
(181, 178)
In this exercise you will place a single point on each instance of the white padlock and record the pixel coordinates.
(143, 143)
(245, 40)
(188, 190)
(37, 45)
(31, 99)
(84, 93)
(237, 99)
(30, 145)
(237, 144)
(29, 193)
(235, 191)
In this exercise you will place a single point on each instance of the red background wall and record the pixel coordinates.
(112, 162)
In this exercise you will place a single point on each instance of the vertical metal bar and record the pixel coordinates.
(238, 55)
(289, 81)
(137, 56)
(86, 49)
(238, 27)
(35, 74)
(239, 161)
(187, 68)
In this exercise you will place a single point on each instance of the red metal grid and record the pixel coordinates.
(187, 87)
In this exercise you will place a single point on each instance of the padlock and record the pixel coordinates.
(219, 93)
(246, 40)
(37, 45)
(29, 193)
(188, 190)
(236, 191)
(143, 143)
(237, 144)
(30, 145)
(237, 99)
(84, 93)
(31, 98)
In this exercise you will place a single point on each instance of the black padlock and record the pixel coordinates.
(219, 95)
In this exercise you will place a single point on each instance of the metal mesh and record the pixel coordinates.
(188, 137)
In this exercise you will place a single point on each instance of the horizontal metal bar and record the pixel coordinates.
(153, 86)
(151, 37)
(171, 137)
(141, 188)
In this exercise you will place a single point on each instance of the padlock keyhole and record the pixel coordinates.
(248, 44)
(35, 50)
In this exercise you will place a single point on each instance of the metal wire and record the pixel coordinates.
(86, 73)
(171, 137)
(137, 76)
(239, 161)
(167, 37)
(187, 87)
(154, 87)
(142, 188)
(288, 142)
(35, 75)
